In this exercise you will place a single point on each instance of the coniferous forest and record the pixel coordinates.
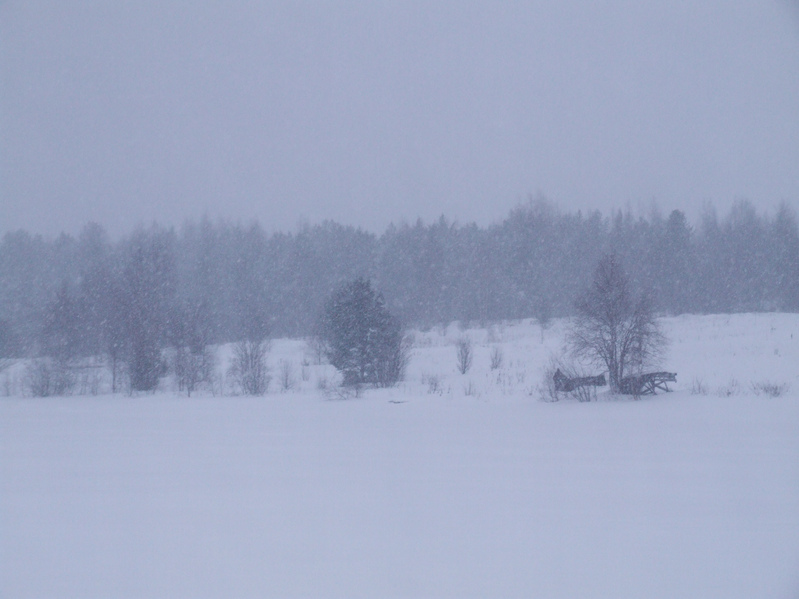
(214, 282)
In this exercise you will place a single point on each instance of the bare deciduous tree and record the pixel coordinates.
(248, 368)
(317, 347)
(192, 368)
(612, 328)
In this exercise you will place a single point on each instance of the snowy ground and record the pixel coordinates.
(448, 486)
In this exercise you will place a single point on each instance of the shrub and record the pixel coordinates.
(464, 354)
(433, 382)
(469, 389)
(286, 376)
(698, 387)
(730, 389)
(45, 377)
(496, 358)
(770, 389)
(548, 390)
(248, 369)
(193, 368)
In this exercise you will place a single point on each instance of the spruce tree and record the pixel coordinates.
(364, 340)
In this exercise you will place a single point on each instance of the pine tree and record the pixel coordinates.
(149, 290)
(61, 335)
(364, 340)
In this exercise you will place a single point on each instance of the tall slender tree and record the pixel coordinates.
(149, 290)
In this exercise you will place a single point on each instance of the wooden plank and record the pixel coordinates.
(648, 383)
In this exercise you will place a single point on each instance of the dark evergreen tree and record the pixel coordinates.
(671, 262)
(61, 335)
(93, 288)
(148, 293)
(784, 264)
(364, 340)
(29, 280)
(10, 345)
(114, 327)
(747, 278)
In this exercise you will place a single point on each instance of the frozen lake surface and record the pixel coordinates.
(469, 486)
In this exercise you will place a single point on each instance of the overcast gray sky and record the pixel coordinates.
(371, 112)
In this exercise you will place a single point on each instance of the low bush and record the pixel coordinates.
(464, 354)
(45, 377)
(698, 387)
(248, 371)
(730, 389)
(548, 390)
(770, 389)
(433, 382)
(496, 358)
(286, 376)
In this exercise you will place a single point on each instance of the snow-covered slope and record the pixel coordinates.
(449, 485)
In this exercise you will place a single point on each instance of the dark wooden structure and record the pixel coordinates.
(647, 384)
(566, 384)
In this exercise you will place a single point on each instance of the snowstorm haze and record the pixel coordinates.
(370, 113)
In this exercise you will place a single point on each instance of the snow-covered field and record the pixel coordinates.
(449, 485)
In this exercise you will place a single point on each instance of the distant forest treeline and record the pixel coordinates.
(238, 279)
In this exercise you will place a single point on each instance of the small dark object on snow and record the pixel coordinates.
(566, 384)
(646, 384)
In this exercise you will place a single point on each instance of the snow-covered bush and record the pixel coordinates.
(433, 382)
(45, 377)
(286, 376)
(698, 387)
(90, 379)
(549, 391)
(770, 389)
(192, 369)
(730, 389)
(248, 371)
(464, 354)
(496, 358)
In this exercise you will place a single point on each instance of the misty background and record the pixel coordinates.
(88, 295)
(371, 113)
(227, 166)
